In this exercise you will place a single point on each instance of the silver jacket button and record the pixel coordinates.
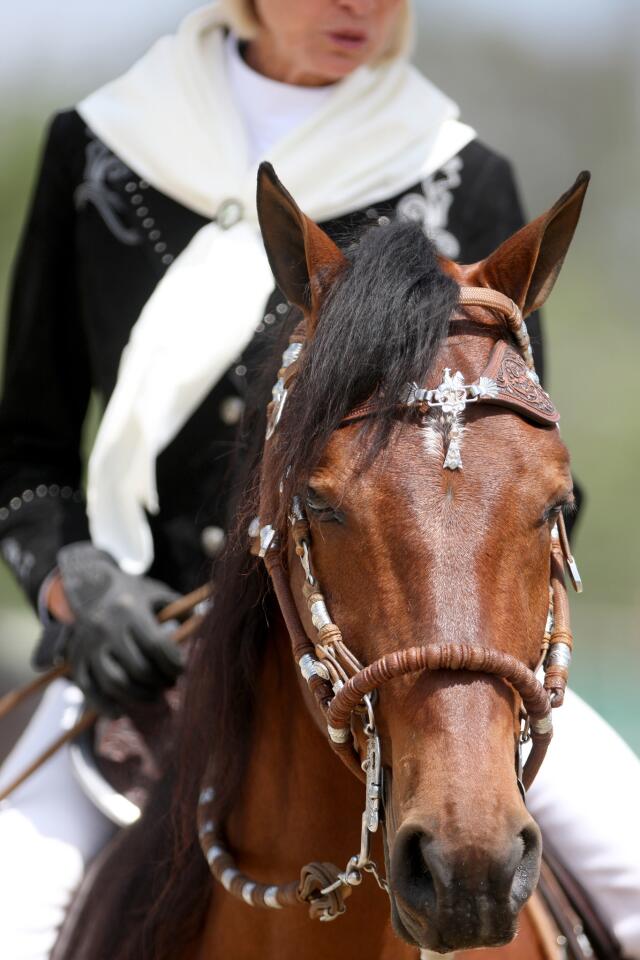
(212, 540)
(229, 213)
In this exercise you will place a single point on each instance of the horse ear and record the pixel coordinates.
(526, 266)
(304, 260)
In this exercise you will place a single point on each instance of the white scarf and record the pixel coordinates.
(171, 119)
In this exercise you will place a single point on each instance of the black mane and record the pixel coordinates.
(380, 326)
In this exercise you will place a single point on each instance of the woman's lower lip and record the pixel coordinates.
(348, 42)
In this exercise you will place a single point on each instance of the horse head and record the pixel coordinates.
(413, 526)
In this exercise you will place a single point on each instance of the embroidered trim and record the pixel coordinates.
(135, 188)
(104, 174)
(431, 208)
(103, 170)
(40, 492)
(21, 561)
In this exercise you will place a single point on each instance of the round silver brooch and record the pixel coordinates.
(229, 213)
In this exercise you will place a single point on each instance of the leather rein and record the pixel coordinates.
(345, 689)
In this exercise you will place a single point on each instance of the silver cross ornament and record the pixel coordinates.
(452, 396)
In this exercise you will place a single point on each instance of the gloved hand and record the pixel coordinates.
(117, 651)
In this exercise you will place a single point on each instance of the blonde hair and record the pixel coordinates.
(242, 18)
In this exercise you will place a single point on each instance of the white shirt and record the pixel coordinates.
(269, 109)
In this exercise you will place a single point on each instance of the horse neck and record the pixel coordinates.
(298, 803)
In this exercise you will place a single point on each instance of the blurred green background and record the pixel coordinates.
(555, 87)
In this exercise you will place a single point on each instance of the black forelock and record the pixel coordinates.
(379, 327)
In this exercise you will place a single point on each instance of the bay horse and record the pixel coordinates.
(407, 519)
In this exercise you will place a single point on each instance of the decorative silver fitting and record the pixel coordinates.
(451, 396)
(305, 560)
(542, 726)
(559, 655)
(574, 574)
(268, 539)
(310, 667)
(280, 392)
(320, 615)
(271, 898)
(373, 771)
(206, 796)
(228, 876)
(247, 892)
(297, 511)
(291, 354)
(339, 734)
(279, 396)
(254, 528)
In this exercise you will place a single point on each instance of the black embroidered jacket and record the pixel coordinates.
(96, 243)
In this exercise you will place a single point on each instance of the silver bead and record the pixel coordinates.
(54, 490)
(15, 503)
(214, 852)
(154, 235)
(66, 492)
(4, 513)
(27, 496)
(206, 795)
(339, 734)
(212, 540)
(136, 199)
(144, 185)
(231, 410)
(131, 187)
(384, 221)
(372, 213)
(148, 223)
(247, 892)
(241, 370)
(160, 247)
(167, 259)
(282, 308)
(228, 876)
(41, 490)
(142, 211)
(269, 318)
(270, 898)
(260, 328)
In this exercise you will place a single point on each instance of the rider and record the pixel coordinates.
(142, 234)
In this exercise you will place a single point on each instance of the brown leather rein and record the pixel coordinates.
(344, 688)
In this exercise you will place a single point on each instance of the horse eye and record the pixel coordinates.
(318, 506)
(566, 505)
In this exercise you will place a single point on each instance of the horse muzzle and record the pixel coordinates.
(447, 898)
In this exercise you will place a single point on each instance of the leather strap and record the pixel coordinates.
(451, 656)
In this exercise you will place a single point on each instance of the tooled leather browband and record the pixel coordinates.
(514, 389)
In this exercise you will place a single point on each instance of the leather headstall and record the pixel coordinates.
(345, 689)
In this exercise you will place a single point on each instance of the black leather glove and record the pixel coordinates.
(117, 651)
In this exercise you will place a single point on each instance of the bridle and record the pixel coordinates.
(344, 689)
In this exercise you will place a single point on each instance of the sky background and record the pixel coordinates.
(555, 86)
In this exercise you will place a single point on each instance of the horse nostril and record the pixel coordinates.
(412, 873)
(526, 872)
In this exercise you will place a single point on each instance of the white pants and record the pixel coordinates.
(586, 799)
(49, 832)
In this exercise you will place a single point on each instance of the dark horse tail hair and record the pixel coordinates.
(381, 325)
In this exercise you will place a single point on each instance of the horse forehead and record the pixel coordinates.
(503, 456)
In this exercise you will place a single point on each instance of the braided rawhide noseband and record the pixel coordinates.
(343, 688)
